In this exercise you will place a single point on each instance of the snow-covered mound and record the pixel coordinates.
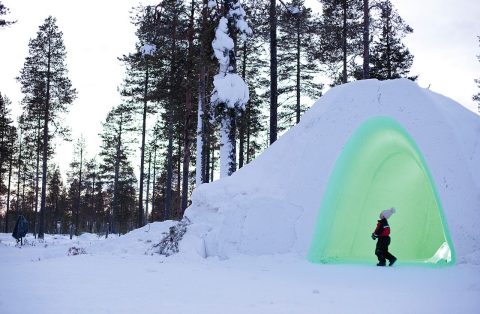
(270, 206)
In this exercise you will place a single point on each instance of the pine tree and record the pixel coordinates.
(157, 147)
(127, 200)
(253, 135)
(55, 202)
(44, 77)
(389, 58)
(366, 40)
(32, 124)
(94, 197)
(230, 93)
(341, 37)
(115, 151)
(204, 61)
(189, 112)
(4, 11)
(8, 152)
(273, 72)
(296, 70)
(76, 175)
(6, 125)
(254, 69)
(143, 74)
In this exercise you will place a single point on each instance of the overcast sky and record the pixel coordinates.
(97, 32)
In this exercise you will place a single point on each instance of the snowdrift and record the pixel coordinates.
(271, 206)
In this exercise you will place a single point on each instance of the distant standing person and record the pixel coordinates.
(21, 229)
(382, 233)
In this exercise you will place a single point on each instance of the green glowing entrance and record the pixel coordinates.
(381, 167)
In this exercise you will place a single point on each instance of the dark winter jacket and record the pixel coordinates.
(383, 229)
(21, 228)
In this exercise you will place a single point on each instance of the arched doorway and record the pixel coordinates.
(381, 167)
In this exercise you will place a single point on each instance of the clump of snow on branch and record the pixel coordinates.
(222, 44)
(211, 4)
(294, 9)
(231, 90)
(238, 14)
(148, 49)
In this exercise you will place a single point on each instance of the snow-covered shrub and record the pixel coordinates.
(169, 243)
(76, 251)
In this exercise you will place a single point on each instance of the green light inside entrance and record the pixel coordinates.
(381, 167)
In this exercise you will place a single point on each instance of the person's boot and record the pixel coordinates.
(392, 261)
(381, 264)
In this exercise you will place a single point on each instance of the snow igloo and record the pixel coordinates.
(363, 147)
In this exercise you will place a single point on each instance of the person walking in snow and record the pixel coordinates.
(382, 234)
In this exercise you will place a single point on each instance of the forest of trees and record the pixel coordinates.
(176, 121)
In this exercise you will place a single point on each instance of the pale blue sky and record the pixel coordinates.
(444, 44)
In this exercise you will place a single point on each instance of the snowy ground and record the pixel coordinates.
(116, 276)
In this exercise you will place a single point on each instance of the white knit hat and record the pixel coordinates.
(387, 213)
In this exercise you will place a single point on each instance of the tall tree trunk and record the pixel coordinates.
(208, 151)
(186, 150)
(154, 177)
(200, 162)
(19, 165)
(168, 197)
(45, 149)
(212, 160)
(200, 175)
(168, 194)
(243, 116)
(179, 178)
(344, 42)
(273, 71)
(10, 167)
(248, 115)
(366, 40)
(231, 137)
(94, 211)
(148, 186)
(389, 50)
(77, 212)
(37, 175)
(142, 150)
(227, 150)
(24, 179)
(113, 215)
(188, 113)
(298, 113)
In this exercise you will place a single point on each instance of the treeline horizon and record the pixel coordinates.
(170, 80)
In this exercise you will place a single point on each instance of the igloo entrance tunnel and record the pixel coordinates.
(381, 167)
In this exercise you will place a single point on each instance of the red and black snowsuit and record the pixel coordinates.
(382, 233)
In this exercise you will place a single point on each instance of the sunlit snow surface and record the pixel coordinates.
(116, 276)
(255, 228)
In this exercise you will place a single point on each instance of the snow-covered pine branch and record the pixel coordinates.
(148, 49)
(222, 45)
(238, 14)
